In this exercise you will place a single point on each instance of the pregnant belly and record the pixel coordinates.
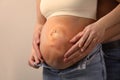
(55, 37)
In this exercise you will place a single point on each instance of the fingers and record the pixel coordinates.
(37, 51)
(36, 45)
(32, 63)
(76, 38)
(33, 60)
(87, 42)
(83, 38)
(78, 55)
(73, 49)
(91, 47)
(73, 56)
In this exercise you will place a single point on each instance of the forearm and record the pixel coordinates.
(40, 19)
(110, 19)
(111, 32)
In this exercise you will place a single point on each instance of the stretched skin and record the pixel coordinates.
(55, 37)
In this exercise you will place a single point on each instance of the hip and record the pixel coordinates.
(85, 69)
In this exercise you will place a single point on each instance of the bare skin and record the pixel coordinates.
(96, 32)
(53, 52)
(36, 57)
(51, 38)
(55, 36)
(108, 6)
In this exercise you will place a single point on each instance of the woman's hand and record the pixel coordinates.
(74, 54)
(35, 57)
(91, 35)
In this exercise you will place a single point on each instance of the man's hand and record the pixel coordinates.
(85, 41)
(74, 54)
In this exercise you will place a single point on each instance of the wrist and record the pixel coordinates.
(102, 24)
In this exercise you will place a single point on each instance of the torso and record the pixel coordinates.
(55, 37)
(64, 21)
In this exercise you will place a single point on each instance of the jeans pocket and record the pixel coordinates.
(95, 68)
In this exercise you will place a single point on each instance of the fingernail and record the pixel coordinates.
(39, 65)
(35, 63)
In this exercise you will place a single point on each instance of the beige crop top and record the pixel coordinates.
(80, 8)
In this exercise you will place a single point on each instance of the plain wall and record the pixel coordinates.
(17, 20)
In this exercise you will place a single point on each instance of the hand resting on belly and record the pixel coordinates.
(54, 39)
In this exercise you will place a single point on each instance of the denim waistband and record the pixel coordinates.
(79, 65)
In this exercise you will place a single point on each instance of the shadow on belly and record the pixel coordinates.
(54, 43)
(55, 37)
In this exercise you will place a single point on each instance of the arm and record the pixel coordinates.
(35, 56)
(111, 32)
(97, 30)
(40, 19)
(110, 19)
(94, 33)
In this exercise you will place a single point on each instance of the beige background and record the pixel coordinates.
(17, 19)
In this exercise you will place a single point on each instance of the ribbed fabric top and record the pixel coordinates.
(80, 8)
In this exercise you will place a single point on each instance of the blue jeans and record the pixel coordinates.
(112, 60)
(90, 68)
